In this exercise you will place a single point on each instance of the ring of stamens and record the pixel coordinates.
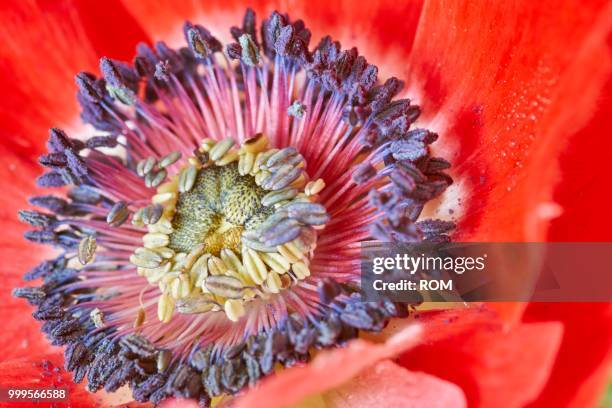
(232, 225)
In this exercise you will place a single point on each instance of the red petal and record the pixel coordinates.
(489, 364)
(45, 371)
(510, 83)
(41, 54)
(389, 385)
(21, 333)
(383, 30)
(110, 28)
(336, 366)
(45, 44)
(585, 169)
(582, 368)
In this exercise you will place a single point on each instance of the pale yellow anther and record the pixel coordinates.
(216, 266)
(155, 240)
(251, 267)
(277, 262)
(195, 162)
(165, 252)
(255, 144)
(169, 186)
(290, 251)
(195, 254)
(163, 225)
(261, 176)
(234, 309)
(165, 308)
(294, 248)
(200, 268)
(231, 260)
(207, 144)
(301, 270)
(164, 198)
(314, 187)
(261, 159)
(174, 286)
(300, 182)
(245, 163)
(273, 282)
(154, 276)
(220, 148)
(228, 158)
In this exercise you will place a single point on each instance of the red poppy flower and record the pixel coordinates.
(514, 95)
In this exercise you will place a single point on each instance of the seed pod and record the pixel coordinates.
(187, 178)
(225, 286)
(234, 309)
(221, 148)
(152, 213)
(255, 144)
(169, 159)
(118, 214)
(199, 303)
(87, 249)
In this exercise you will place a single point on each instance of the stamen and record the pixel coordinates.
(244, 244)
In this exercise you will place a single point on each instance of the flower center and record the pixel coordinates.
(231, 226)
